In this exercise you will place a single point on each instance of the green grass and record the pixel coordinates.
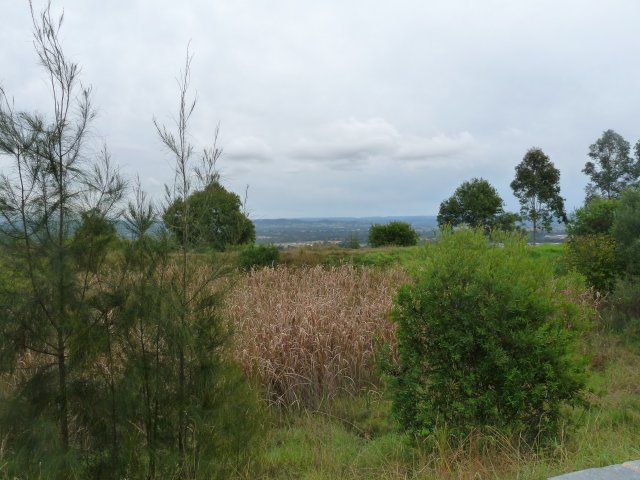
(330, 256)
(356, 438)
(394, 256)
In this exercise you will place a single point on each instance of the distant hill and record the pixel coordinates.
(332, 229)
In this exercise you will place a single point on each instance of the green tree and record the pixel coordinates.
(475, 203)
(626, 229)
(595, 217)
(50, 317)
(594, 255)
(612, 169)
(537, 188)
(483, 341)
(392, 233)
(198, 413)
(592, 249)
(216, 219)
(185, 410)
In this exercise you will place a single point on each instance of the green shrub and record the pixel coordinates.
(352, 241)
(596, 217)
(594, 256)
(393, 233)
(623, 306)
(486, 338)
(626, 229)
(258, 256)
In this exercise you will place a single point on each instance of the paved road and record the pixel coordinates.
(626, 471)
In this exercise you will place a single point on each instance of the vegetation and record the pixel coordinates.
(626, 230)
(215, 219)
(603, 243)
(612, 170)
(204, 426)
(537, 188)
(114, 363)
(117, 358)
(393, 233)
(467, 361)
(317, 340)
(476, 203)
(596, 257)
(595, 217)
(353, 435)
(257, 256)
(52, 319)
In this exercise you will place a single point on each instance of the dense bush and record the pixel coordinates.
(594, 256)
(626, 229)
(622, 310)
(596, 217)
(485, 338)
(604, 239)
(258, 256)
(393, 233)
(212, 217)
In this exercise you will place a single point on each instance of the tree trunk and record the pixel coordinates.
(62, 394)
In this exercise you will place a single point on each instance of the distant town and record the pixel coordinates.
(294, 232)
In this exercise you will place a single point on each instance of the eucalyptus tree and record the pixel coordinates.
(612, 168)
(50, 317)
(537, 188)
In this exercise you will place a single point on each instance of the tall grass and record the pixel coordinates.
(308, 334)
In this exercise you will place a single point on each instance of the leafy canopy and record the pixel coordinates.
(612, 169)
(596, 217)
(626, 229)
(215, 219)
(537, 188)
(393, 233)
(483, 341)
(477, 204)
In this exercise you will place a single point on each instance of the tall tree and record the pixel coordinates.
(612, 169)
(199, 409)
(49, 318)
(537, 188)
(475, 203)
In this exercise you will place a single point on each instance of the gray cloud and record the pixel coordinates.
(350, 108)
(248, 149)
(356, 143)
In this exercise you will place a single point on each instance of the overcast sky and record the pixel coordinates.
(349, 108)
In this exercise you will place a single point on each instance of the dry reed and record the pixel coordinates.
(310, 333)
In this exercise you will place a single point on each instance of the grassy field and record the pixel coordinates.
(354, 437)
(307, 332)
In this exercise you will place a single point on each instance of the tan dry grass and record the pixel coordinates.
(310, 333)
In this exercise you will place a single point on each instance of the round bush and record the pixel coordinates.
(485, 338)
(393, 233)
(258, 256)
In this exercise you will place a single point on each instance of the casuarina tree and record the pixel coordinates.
(49, 319)
(537, 188)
